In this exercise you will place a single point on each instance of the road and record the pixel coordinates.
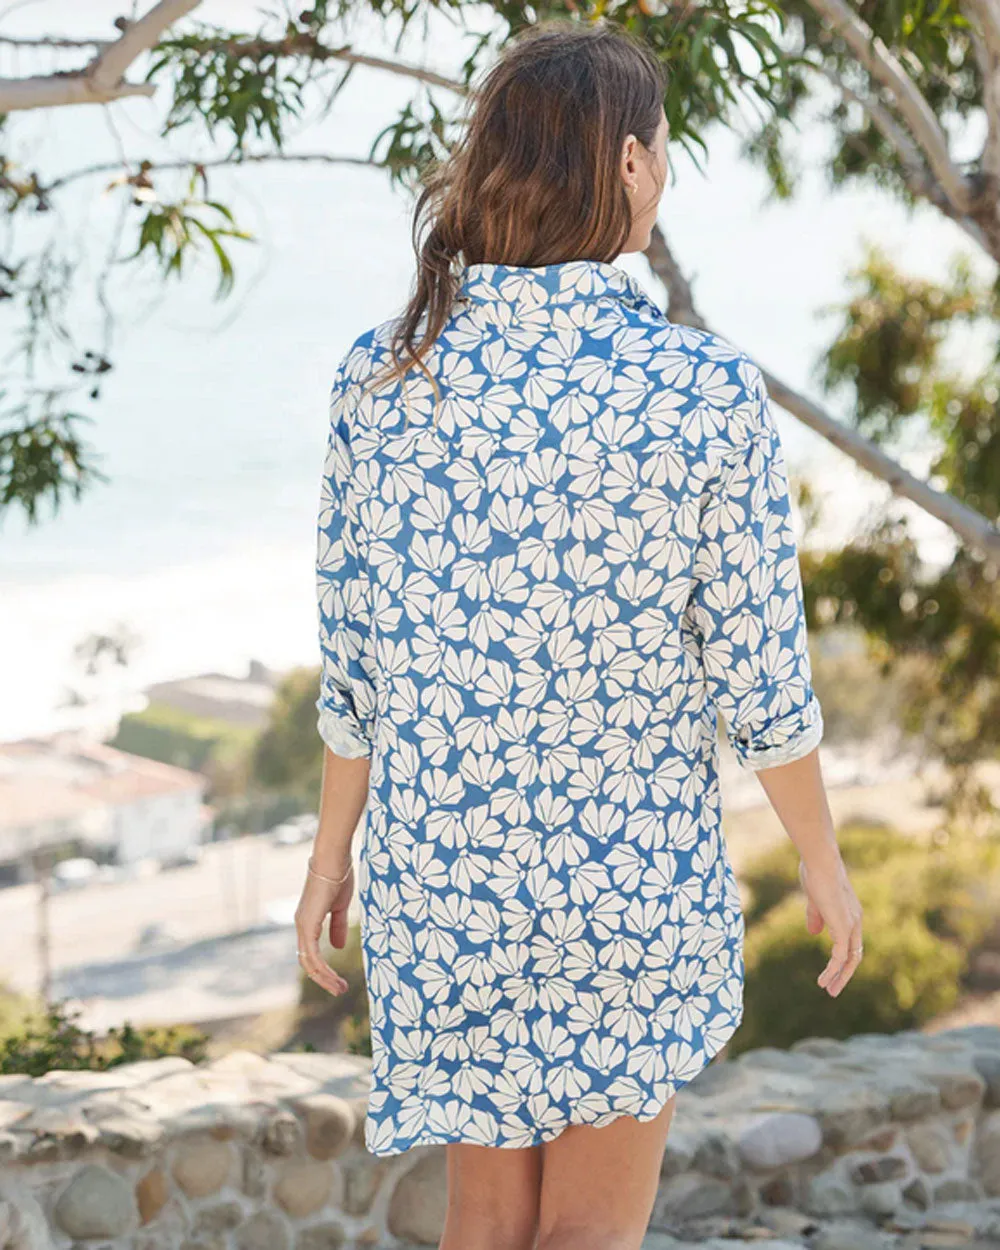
(224, 958)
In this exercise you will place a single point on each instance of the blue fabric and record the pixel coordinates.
(534, 597)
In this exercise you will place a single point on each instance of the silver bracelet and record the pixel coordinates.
(329, 880)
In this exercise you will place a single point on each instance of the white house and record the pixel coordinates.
(65, 789)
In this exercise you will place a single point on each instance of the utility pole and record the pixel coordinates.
(42, 867)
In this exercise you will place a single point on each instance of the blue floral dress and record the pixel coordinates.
(535, 593)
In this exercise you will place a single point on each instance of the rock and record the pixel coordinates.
(956, 1191)
(912, 1099)
(787, 1222)
(362, 1173)
(241, 1063)
(253, 1181)
(845, 1235)
(220, 1218)
(263, 1231)
(716, 1156)
(96, 1203)
(987, 1035)
(881, 1199)
(820, 1047)
(679, 1152)
(22, 1221)
(58, 1134)
(321, 1237)
(848, 1115)
(359, 1109)
(689, 1197)
(304, 1187)
(988, 1153)
(917, 1194)
(886, 1168)
(329, 1124)
(151, 1193)
(987, 1063)
(134, 1136)
(778, 1192)
(930, 1146)
(827, 1194)
(780, 1139)
(961, 1129)
(953, 1225)
(958, 1088)
(881, 1141)
(770, 1058)
(418, 1205)
(282, 1134)
(717, 1078)
(202, 1166)
(744, 1198)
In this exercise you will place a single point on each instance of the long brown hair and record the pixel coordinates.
(535, 177)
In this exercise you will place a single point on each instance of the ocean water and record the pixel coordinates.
(212, 425)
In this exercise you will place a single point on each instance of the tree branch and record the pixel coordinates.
(987, 50)
(306, 43)
(975, 530)
(915, 172)
(306, 158)
(885, 67)
(985, 16)
(101, 80)
(51, 41)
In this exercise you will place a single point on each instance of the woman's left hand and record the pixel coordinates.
(318, 901)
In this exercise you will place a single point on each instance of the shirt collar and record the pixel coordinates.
(527, 288)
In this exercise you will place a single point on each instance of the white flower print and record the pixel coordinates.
(534, 597)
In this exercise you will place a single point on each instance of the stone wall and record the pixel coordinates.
(885, 1140)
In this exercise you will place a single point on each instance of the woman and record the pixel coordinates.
(554, 542)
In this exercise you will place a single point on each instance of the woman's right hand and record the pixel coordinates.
(831, 901)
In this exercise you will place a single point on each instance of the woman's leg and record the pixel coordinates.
(599, 1184)
(493, 1195)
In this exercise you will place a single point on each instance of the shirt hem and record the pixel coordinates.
(551, 1132)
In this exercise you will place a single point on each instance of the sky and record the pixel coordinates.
(212, 424)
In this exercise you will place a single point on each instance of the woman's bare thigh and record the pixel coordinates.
(493, 1197)
(599, 1184)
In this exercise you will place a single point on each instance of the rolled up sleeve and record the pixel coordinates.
(746, 604)
(346, 703)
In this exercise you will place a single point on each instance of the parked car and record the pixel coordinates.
(294, 830)
(70, 874)
(154, 935)
(188, 858)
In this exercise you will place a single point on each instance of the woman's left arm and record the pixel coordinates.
(342, 800)
(346, 703)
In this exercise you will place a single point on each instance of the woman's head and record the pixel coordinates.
(563, 158)
(567, 121)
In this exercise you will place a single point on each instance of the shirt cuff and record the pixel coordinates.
(782, 741)
(342, 737)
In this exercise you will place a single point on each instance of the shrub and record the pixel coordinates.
(925, 909)
(51, 1040)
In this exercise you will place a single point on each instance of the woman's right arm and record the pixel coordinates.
(748, 611)
(796, 793)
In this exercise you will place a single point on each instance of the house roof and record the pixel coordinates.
(58, 778)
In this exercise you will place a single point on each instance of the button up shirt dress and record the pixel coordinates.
(536, 591)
